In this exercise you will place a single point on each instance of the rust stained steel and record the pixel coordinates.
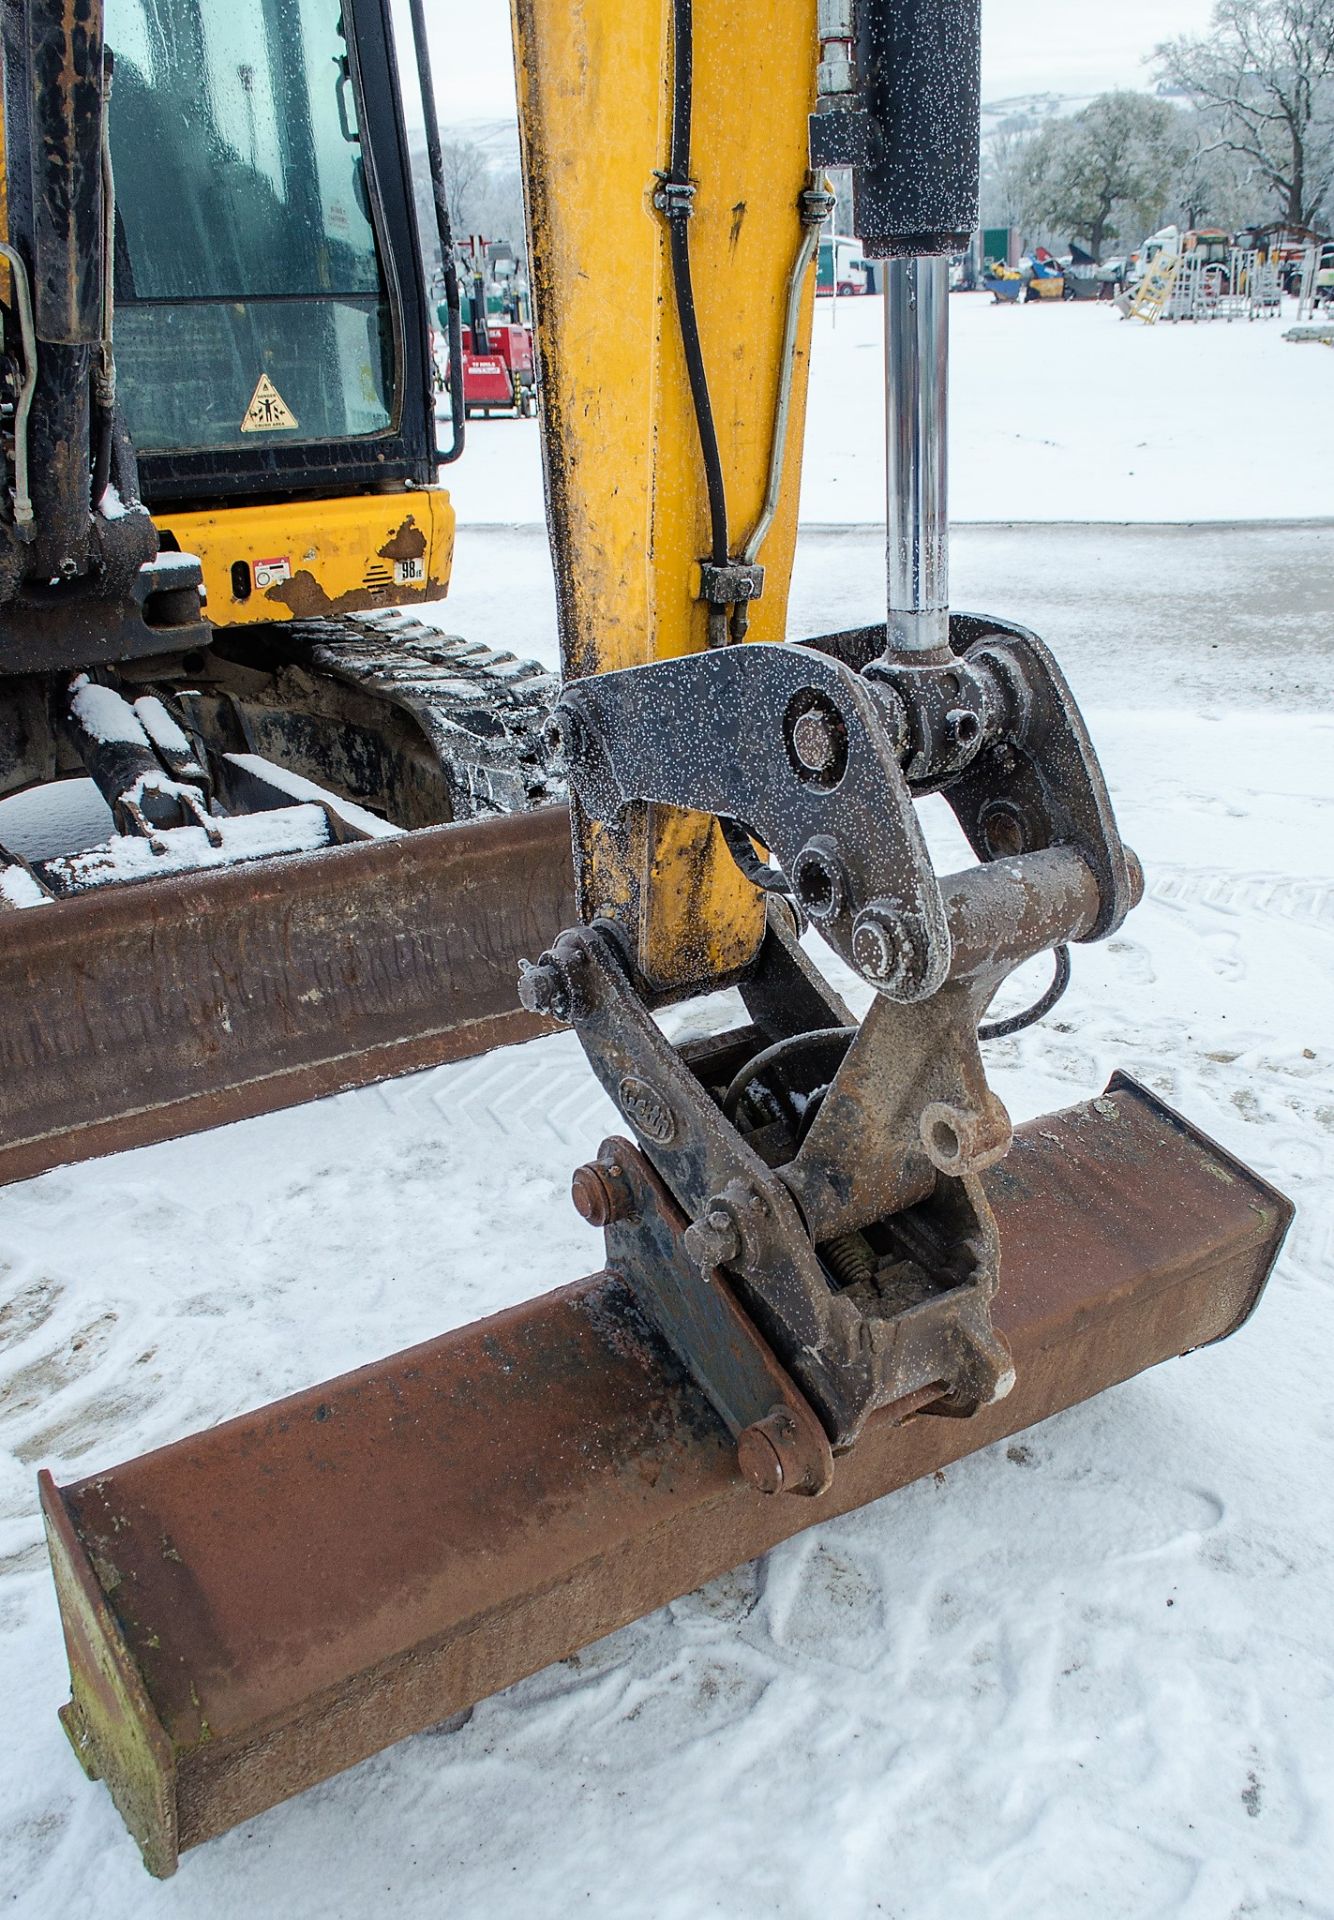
(144, 1012)
(252, 1609)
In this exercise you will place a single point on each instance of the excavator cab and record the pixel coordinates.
(272, 326)
(263, 260)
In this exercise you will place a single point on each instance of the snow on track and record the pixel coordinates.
(1087, 1672)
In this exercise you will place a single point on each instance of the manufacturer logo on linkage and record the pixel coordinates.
(647, 1110)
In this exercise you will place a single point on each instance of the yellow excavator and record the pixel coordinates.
(831, 1265)
(218, 387)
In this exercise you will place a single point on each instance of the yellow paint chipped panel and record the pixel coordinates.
(312, 557)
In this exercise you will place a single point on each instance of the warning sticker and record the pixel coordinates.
(268, 412)
(408, 573)
(272, 573)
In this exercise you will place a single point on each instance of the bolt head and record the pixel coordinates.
(813, 741)
(713, 1241)
(600, 1193)
(757, 1457)
(876, 949)
(543, 988)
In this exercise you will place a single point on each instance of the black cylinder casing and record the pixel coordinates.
(919, 75)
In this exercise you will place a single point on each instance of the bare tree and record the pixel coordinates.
(1005, 171)
(1212, 187)
(483, 197)
(1114, 162)
(1265, 76)
(465, 167)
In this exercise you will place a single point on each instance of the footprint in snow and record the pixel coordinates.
(821, 1603)
(1225, 955)
(1135, 966)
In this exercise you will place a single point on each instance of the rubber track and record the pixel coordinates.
(483, 710)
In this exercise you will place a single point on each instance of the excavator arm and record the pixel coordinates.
(831, 1267)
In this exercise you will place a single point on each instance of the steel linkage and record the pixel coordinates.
(833, 1169)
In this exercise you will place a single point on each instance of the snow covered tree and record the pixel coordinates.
(1114, 162)
(465, 171)
(1212, 187)
(484, 193)
(1005, 166)
(1264, 76)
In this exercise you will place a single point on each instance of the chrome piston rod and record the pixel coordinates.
(916, 395)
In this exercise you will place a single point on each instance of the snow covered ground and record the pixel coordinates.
(1058, 412)
(1087, 1673)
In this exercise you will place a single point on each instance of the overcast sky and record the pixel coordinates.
(1029, 46)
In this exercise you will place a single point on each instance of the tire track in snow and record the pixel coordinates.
(1310, 902)
(545, 1089)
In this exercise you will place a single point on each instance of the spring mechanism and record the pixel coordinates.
(849, 1259)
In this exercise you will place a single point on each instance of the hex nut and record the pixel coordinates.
(544, 989)
(713, 1241)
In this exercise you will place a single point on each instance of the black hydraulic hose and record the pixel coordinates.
(738, 842)
(435, 161)
(677, 207)
(1060, 980)
(104, 374)
(779, 1052)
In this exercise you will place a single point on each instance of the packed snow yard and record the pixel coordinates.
(1058, 411)
(1087, 1672)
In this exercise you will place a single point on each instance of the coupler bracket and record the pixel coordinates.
(830, 1172)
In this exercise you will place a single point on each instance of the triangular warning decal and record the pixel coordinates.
(268, 412)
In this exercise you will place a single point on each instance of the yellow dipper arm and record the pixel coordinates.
(626, 495)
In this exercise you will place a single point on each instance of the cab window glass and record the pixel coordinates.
(245, 249)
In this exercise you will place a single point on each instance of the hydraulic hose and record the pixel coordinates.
(816, 204)
(23, 507)
(1060, 980)
(677, 201)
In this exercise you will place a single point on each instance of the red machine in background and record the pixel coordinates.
(499, 367)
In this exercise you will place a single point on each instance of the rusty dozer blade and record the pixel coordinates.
(253, 1609)
(138, 1013)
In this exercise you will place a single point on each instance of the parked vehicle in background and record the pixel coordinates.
(1324, 278)
(1046, 281)
(1287, 247)
(1006, 284)
(840, 268)
(499, 367)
